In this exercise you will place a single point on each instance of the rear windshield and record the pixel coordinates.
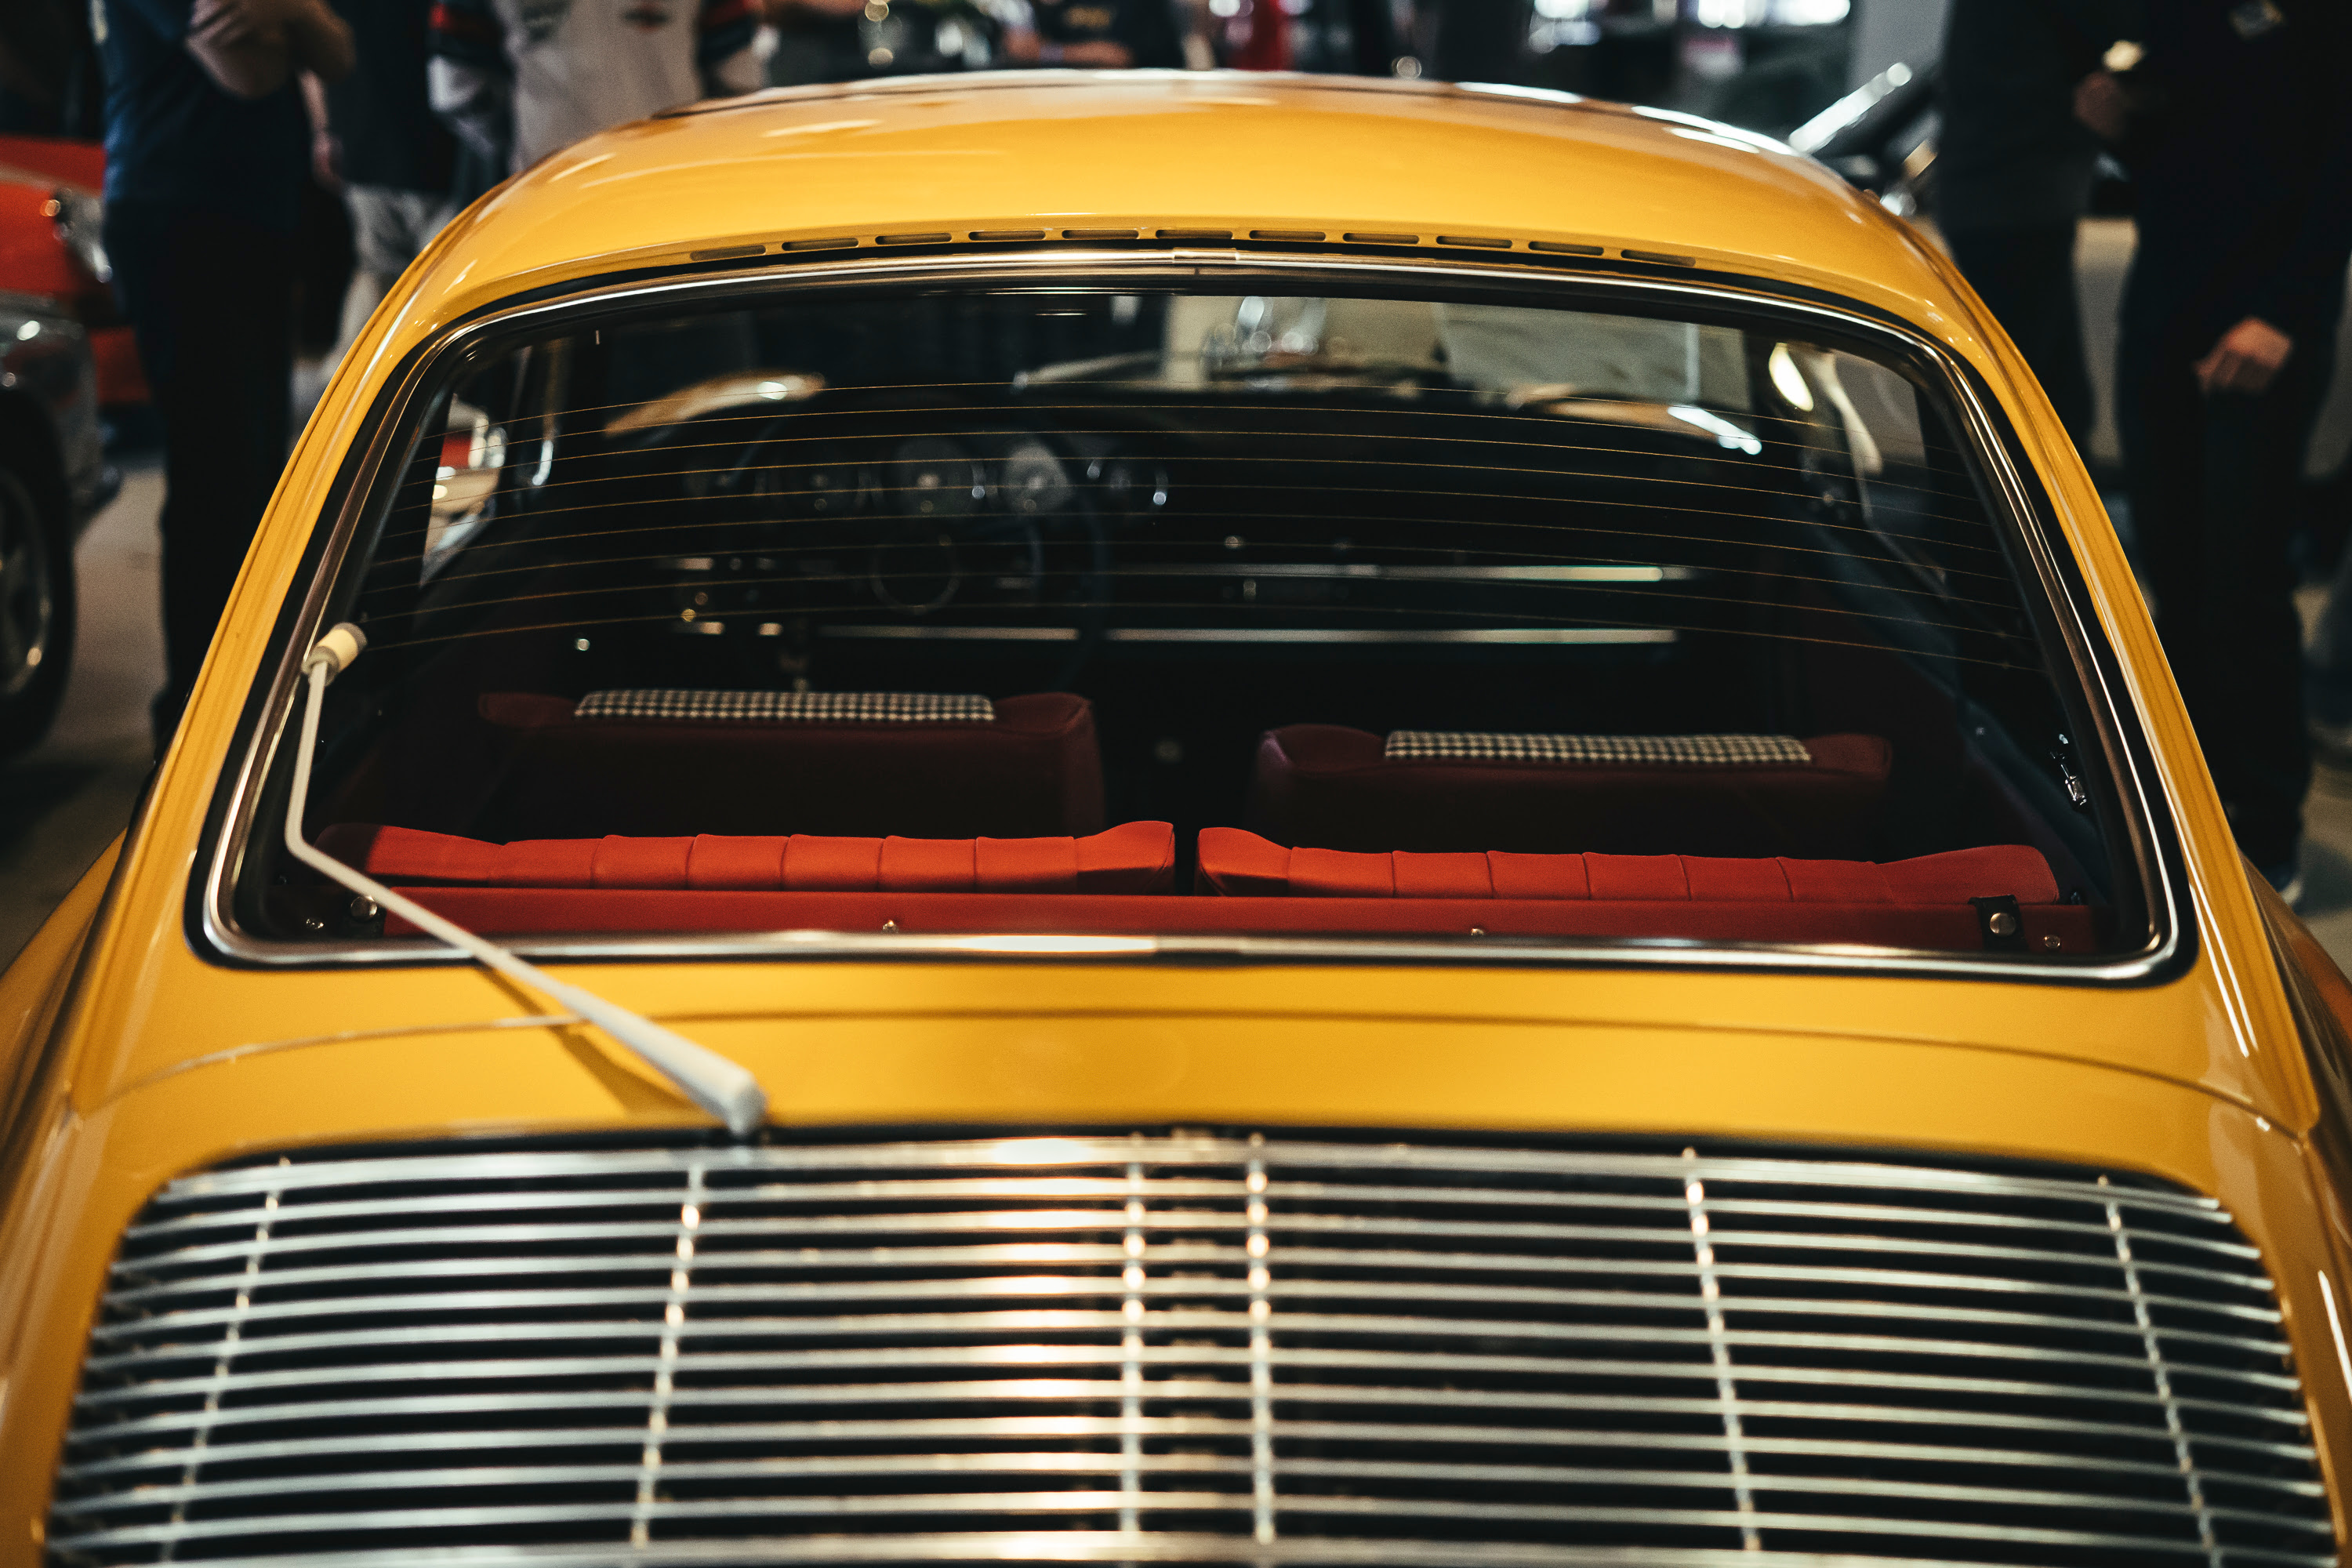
(1068, 610)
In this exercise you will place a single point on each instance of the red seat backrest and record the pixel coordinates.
(1134, 857)
(1034, 769)
(1323, 784)
(1239, 864)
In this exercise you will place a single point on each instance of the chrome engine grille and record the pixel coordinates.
(1180, 1347)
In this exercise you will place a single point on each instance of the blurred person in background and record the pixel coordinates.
(520, 79)
(816, 41)
(379, 141)
(207, 151)
(2237, 122)
(1479, 40)
(2013, 174)
(48, 80)
(1103, 34)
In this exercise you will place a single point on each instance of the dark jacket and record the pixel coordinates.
(2243, 169)
(2012, 155)
(381, 112)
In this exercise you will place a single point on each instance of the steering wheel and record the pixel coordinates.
(977, 521)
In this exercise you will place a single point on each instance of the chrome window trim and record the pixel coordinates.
(2146, 822)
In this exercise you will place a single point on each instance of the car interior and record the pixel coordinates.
(1424, 612)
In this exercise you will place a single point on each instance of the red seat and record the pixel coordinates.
(1242, 865)
(1322, 784)
(1923, 902)
(1020, 767)
(1114, 882)
(1135, 857)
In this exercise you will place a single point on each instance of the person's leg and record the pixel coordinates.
(2260, 750)
(2328, 677)
(227, 292)
(2026, 277)
(2159, 415)
(140, 240)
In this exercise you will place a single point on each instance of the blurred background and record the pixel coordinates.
(426, 119)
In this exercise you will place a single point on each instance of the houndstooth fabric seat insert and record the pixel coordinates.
(1671, 750)
(787, 707)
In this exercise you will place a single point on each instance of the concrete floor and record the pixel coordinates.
(62, 804)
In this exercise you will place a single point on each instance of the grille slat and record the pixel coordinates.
(1040, 1254)
(1762, 1306)
(1004, 1427)
(1182, 1348)
(1040, 1390)
(1103, 1464)
(1070, 1501)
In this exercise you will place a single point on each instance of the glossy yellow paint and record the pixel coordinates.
(163, 1060)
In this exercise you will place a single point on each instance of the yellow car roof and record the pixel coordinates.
(1464, 172)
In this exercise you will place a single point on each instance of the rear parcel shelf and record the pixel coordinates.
(1122, 881)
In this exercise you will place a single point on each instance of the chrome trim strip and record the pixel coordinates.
(1041, 1355)
(1136, 1428)
(2183, 1341)
(1066, 1463)
(978, 1390)
(1040, 1254)
(545, 1200)
(1206, 1320)
(1054, 1151)
(2174, 1427)
(2121, 736)
(1719, 1342)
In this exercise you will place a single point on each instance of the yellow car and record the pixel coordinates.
(1178, 818)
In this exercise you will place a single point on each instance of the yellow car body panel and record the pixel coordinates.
(166, 1060)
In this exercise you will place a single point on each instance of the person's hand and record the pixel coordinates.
(2101, 103)
(238, 24)
(2247, 359)
(241, 44)
(326, 159)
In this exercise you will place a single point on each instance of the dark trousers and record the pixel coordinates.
(211, 299)
(2213, 483)
(2026, 277)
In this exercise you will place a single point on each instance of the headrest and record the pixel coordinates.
(787, 707)
(1668, 751)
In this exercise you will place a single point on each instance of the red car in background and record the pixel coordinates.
(50, 215)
